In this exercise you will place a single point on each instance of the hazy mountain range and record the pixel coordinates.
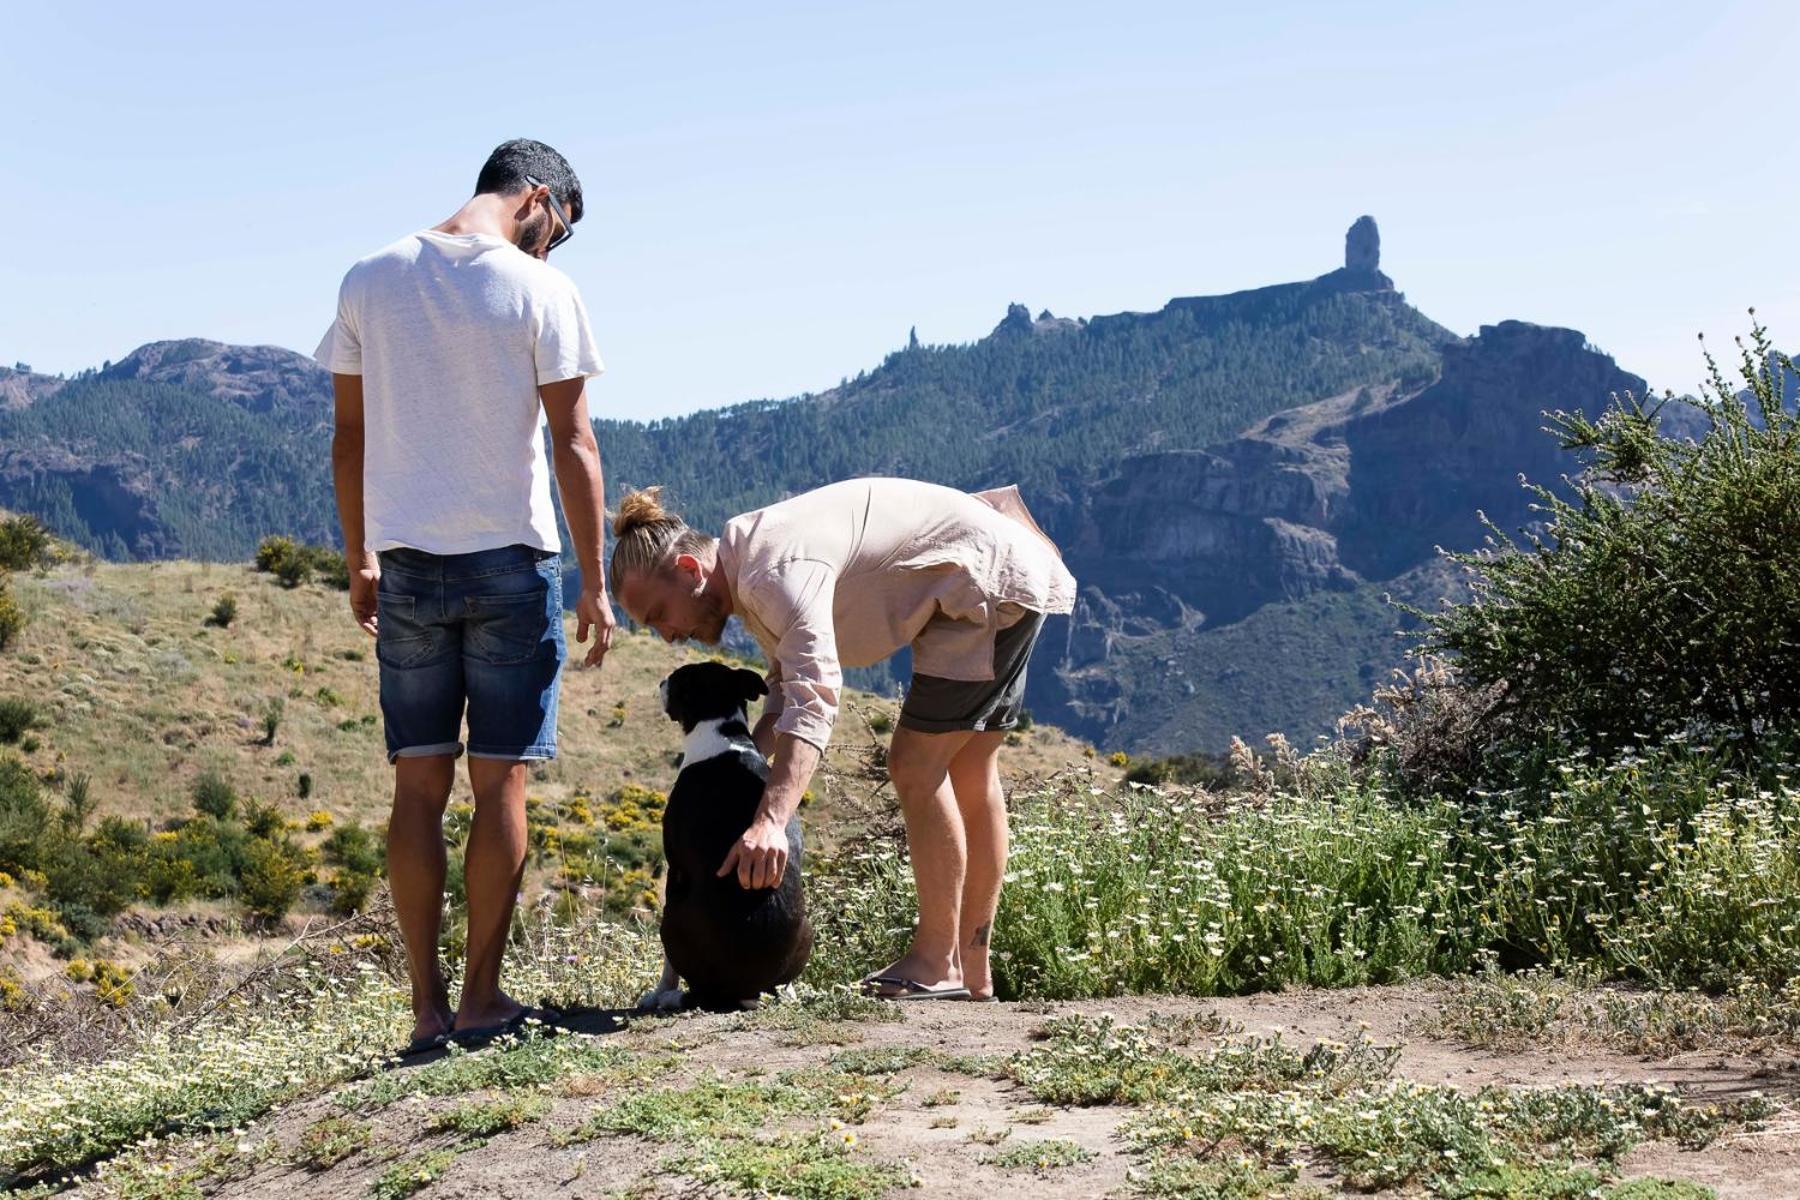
(1237, 481)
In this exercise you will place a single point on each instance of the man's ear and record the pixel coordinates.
(752, 683)
(687, 564)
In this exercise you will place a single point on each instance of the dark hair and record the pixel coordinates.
(506, 168)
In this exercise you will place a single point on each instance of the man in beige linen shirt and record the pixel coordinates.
(845, 576)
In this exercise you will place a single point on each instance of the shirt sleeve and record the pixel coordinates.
(775, 701)
(793, 602)
(340, 350)
(563, 344)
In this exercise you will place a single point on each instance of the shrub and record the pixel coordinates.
(1728, 903)
(24, 543)
(303, 786)
(1670, 865)
(97, 876)
(169, 876)
(328, 566)
(206, 855)
(18, 717)
(224, 611)
(350, 892)
(214, 796)
(353, 847)
(79, 803)
(12, 617)
(271, 719)
(263, 820)
(294, 564)
(1665, 597)
(273, 875)
(275, 551)
(292, 572)
(84, 925)
(24, 816)
(357, 855)
(125, 835)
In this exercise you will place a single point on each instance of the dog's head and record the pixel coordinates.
(709, 691)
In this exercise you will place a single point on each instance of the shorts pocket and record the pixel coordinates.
(400, 641)
(511, 628)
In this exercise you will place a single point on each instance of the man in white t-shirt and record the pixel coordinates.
(452, 348)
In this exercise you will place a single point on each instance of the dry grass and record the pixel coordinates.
(142, 694)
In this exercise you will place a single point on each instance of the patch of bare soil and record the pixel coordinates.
(944, 1127)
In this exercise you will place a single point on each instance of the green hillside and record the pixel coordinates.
(1291, 667)
(1052, 405)
(141, 469)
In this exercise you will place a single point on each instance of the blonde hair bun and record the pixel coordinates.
(639, 509)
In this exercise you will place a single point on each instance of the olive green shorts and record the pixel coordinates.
(935, 705)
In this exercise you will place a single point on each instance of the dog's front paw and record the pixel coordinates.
(661, 1000)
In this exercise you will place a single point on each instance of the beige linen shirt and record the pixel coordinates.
(849, 573)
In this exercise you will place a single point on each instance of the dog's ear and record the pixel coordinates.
(752, 683)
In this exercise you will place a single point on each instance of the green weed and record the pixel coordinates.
(1047, 1155)
(526, 1063)
(817, 1166)
(409, 1175)
(486, 1118)
(330, 1140)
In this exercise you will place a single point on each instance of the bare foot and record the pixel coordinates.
(977, 974)
(916, 968)
(431, 1009)
(431, 1023)
(497, 1010)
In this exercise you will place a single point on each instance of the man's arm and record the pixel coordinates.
(760, 856)
(578, 477)
(794, 605)
(347, 480)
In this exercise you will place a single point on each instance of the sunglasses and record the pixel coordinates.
(568, 230)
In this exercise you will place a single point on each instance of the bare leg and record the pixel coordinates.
(493, 865)
(919, 765)
(975, 779)
(416, 874)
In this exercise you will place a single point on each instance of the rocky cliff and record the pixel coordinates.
(1336, 496)
(256, 378)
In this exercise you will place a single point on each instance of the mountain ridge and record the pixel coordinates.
(1200, 463)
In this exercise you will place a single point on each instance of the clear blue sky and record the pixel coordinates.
(777, 191)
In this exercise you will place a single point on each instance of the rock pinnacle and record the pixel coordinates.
(1362, 246)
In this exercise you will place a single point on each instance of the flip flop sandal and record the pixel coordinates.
(424, 1045)
(513, 1026)
(910, 989)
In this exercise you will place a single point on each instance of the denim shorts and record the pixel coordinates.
(483, 630)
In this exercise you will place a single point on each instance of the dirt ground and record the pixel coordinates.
(934, 1139)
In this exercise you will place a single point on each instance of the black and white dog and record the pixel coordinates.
(730, 944)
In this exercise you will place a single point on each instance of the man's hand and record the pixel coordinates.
(759, 857)
(593, 610)
(365, 580)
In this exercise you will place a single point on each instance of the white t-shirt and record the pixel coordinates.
(453, 334)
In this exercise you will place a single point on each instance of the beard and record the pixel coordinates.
(534, 233)
(710, 620)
